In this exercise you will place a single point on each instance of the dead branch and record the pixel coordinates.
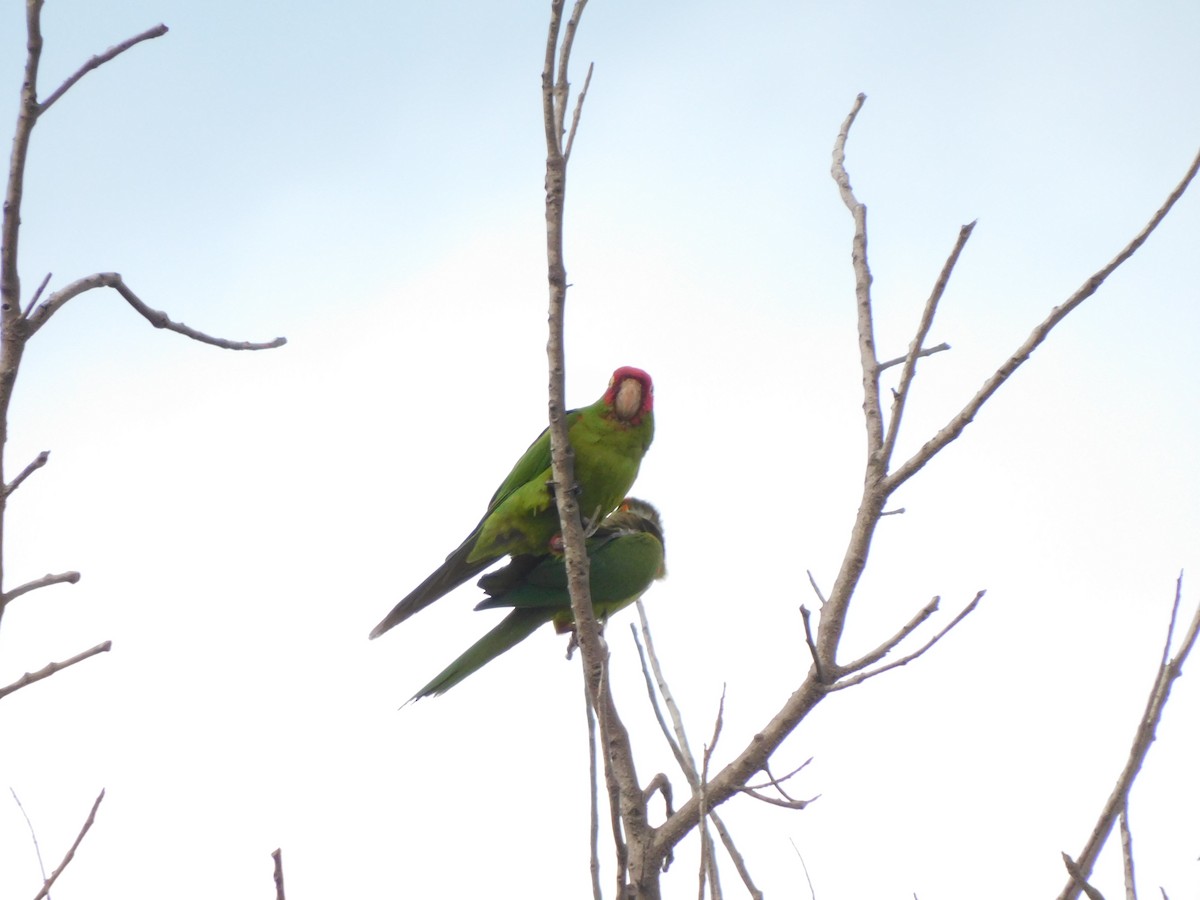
(1080, 880)
(1170, 668)
(40, 460)
(49, 883)
(806, 616)
(98, 60)
(32, 833)
(156, 317)
(777, 783)
(813, 582)
(928, 351)
(37, 294)
(45, 581)
(594, 791)
(955, 426)
(878, 485)
(30, 677)
(905, 660)
(277, 856)
(900, 395)
(679, 743)
(1127, 853)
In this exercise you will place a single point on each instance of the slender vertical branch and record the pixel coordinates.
(618, 753)
(70, 854)
(916, 348)
(1169, 670)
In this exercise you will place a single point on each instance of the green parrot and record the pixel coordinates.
(609, 439)
(626, 555)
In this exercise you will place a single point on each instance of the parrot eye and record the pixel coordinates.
(628, 402)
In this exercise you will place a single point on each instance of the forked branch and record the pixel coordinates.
(1169, 669)
(42, 312)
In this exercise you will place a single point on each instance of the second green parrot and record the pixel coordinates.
(609, 439)
(626, 555)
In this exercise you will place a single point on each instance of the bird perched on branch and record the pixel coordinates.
(626, 555)
(609, 439)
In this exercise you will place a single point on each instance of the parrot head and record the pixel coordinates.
(637, 515)
(630, 395)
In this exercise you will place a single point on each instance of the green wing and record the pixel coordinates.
(516, 626)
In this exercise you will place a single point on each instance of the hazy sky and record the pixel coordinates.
(366, 179)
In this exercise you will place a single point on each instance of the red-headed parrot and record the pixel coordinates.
(609, 439)
(626, 555)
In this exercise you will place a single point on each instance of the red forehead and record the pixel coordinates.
(640, 375)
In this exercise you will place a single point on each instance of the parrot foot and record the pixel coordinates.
(576, 488)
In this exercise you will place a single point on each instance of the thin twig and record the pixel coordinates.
(891, 643)
(914, 349)
(683, 755)
(40, 460)
(928, 351)
(862, 285)
(277, 856)
(1127, 853)
(955, 426)
(49, 883)
(903, 661)
(685, 763)
(156, 317)
(575, 117)
(776, 783)
(30, 677)
(812, 892)
(32, 833)
(36, 296)
(594, 786)
(1079, 879)
(806, 616)
(775, 801)
(98, 60)
(1160, 692)
(45, 581)
(816, 590)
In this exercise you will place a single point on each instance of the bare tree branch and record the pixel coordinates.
(594, 786)
(1127, 853)
(1169, 670)
(100, 59)
(955, 426)
(812, 892)
(36, 295)
(49, 883)
(862, 285)
(30, 677)
(1079, 879)
(575, 118)
(890, 644)
(679, 742)
(32, 833)
(914, 350)
(45, 581)
(806, 617)
(159, 319)
(877, 487)
(40, 460)
(277, 856)
(905, 660)
(928, 351)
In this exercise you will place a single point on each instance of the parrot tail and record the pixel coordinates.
(449, 575)
(514, 628)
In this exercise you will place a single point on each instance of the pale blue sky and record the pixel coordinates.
(366, 179)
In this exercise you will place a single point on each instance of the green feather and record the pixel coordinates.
(626, 555)
(609, 439)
